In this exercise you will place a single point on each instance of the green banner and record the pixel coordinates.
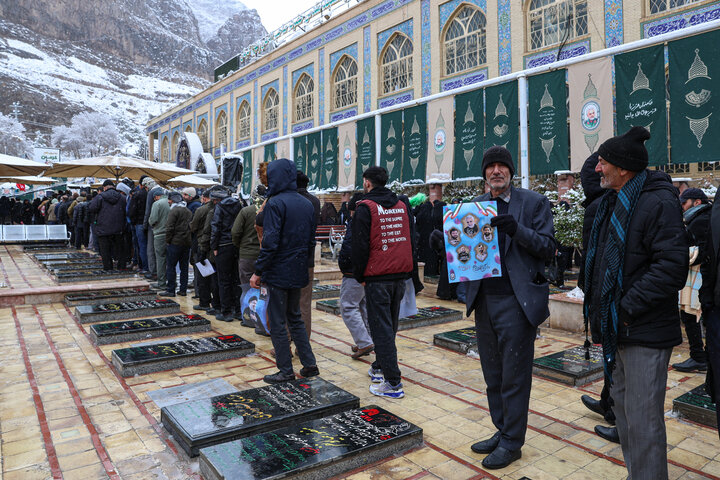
(391, 132)
(415, 143)
(300, 153)
(314, 158)
(365, 147)
(329, 176)
(248, 173)
(640, 97)
(548, 130)
(501, 112)
(469, 135)
(694, 98)
(269, 154)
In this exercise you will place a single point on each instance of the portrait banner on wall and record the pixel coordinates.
(502, 118)
(442, 139)
(469, 135)
(365, 147)
(591, 108)
(329, 172)
(258, 154)
(346, 144)
(282, 148)
(415, 143)
(547, 118)
(314, 159)
(247, 175)
(253, 305)
(640, 98)
(300, 154)
(391, 126)
(471, 244)
(695, 98)
(269, 152)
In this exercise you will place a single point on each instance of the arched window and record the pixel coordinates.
(396, 65)
(243, 121)
(188, 128)
(344, 83)
(555, 21)
(271, 105)
(660, 6)
(304, 89)
(221, 136)
(465, 41)
(174, 146)
(165, 150)
(202, 133)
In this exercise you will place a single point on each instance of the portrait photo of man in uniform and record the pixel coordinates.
(471, 225)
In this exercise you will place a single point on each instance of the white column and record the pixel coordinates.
(378, 140)
(523, 108)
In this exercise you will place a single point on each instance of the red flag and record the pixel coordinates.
(20, 186)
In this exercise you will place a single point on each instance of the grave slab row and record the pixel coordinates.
(125, 310)
(91, 275)
(570, 366)
(425, 316)
(131, 330)
(326, 291)
(109, 296)
(697, 406)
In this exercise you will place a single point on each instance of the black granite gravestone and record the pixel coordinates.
(49, 264)
(313, 449)
(129, 330)
(165, 356)
(125, 310)
(46, 246)
(209, 421)
(98, 297)
(429, 316)
(570, 366)
(457, 340)
(696, 405)
(91, 275)
(69, 267)
(330, 306)
(42, 257)
(326, 291)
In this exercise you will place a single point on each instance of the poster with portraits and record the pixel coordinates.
(471, 244)
(253, 305)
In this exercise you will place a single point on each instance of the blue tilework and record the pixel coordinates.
(549, 56)
(321, 86)
(613, 23)
(447, 9)
(343, 114)
(367, 80)
(287, 94)
(504, 40)
(462, 80)
(309, 69)
(350, 50)
(396, 100)
(406, 27)
(687, 18)
(426, 47)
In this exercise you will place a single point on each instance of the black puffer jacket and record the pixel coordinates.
(345, 255)
(222, 222)
(136, 209)
(698, 222)
(109, 206)
(655, 268)
(288, 226)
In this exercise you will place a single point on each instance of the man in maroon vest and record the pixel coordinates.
(383, 258)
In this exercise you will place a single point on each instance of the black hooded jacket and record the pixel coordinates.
(288, 230)
(222, 222)
(109, 208)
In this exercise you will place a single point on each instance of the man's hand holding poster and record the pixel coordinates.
(471, 244)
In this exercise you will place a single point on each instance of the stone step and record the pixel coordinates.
(109, 296)
(326, 291)
(696, 405)
(131, 330)
(316, 449)
(125, 310)
(570, 366)
(91, 275)
(201, 423)
(166, 356)
(457, 340)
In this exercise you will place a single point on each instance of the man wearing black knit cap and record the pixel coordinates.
(636, 261)
(508, 309)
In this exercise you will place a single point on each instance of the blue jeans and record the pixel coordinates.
(142, 245)
(175, 254)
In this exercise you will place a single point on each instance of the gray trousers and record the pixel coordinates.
(152, 264)
(638, 390)
(246, 268)
(306, 301)
(354, 311)
(160, 258)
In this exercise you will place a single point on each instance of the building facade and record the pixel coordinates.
(386, 52)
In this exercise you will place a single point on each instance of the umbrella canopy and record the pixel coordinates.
(117, 166)
(30, 180)
(191, 181)
(19, 166)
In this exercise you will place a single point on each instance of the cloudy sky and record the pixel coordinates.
(274, 13)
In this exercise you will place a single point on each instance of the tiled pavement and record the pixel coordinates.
(65, 413)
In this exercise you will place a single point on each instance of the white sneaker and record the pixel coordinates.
(376, 376)
(386, 390)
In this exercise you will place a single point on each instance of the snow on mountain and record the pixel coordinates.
(212, 14)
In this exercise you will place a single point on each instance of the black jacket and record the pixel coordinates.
(345, 255)
(222, 222)
(136, 210)
(590, 181)
(316, 207)
(110, 209)
(655, 268)
(697, 224)
(709, 294)
(80, 213)
(288, 226)
(361, 233)
(62, 213)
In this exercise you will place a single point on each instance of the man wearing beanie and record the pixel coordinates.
(178, 240)
(509, 309)
(109, 209)
(636, 261)
(157, 220)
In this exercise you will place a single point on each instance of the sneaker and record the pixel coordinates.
(376, 376)
(306, 372)
(386, 390)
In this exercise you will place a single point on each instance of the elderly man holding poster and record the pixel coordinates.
(508, 308)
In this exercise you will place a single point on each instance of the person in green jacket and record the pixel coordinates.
(245, 238)
(178, 240)
(158, 220)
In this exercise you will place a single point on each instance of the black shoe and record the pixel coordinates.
(608, 433)
(211, 311)
(690, 365)
(261, 331)
(246, 323)
(224, 317)
(306, 372)
(151, 276)
(593, 405)
(166, 294)
(488, 445)
(182, 294)
(278, 377)
(202, 307)
(501, 458)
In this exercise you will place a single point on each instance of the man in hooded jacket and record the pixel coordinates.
(288, 226)
(109, 207)
(225, 252)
